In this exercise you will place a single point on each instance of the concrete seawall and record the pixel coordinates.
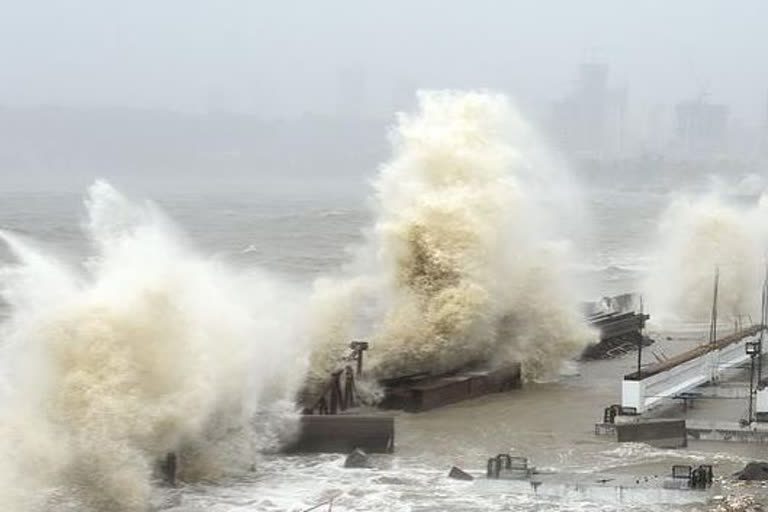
(343, 433)
(660, 433)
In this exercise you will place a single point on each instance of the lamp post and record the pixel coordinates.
(753, 348)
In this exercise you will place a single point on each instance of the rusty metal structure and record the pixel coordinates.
(339, 393)
(324, 428)
(416, 392)
(619, 325)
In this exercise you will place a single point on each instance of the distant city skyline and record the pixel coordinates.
(285, 59)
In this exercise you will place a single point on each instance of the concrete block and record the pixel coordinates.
(661, 433)
(429, 392)
(344, 433)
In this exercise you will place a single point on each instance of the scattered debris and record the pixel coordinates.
(753, 471)
(357, 459)
(316, 507)
(738, 504)
(458, 474)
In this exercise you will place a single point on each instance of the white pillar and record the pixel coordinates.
(633, 394)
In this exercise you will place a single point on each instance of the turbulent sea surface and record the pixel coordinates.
(302, 236)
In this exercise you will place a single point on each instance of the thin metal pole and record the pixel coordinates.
(751, 387)
(713, 319)
(763, 322)
(640, 345)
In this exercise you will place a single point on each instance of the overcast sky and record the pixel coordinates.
(284, 58)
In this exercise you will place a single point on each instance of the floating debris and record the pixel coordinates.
(357, 459)
(753, 471)
(458, 474)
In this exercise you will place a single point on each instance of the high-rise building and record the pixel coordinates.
(352, 92)
(590, 119)
(764, 131)
(701, 127)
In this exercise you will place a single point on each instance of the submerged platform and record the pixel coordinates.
(342, 433)
(682, 485)
(626, 426)
(611, 488)
(727, 431)
(423, 391)
(658, 432)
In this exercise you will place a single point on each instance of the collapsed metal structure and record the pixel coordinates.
(339, 393)
(619, 325)
(324, 428)
(415, 392)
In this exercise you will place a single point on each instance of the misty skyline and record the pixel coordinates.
(287, 59)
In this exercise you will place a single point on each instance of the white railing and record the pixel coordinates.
(647, 392)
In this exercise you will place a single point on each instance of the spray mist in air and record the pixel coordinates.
(697, 235)
(147, 348)
(462, 264)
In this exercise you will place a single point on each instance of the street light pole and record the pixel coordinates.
(753, 349)
(751, 388)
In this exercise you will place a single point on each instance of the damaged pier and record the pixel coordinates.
(619, 324)
(422, 392)
(331, 420)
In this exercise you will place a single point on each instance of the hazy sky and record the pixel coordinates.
(284, 58)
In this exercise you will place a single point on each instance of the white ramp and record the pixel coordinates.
(686, 371)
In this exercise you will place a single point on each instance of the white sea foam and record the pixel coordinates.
(463, 262)
(696, 236)
(146, 349)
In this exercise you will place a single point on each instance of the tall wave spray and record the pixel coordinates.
(149, 348)
(696, 236)
(458, 267)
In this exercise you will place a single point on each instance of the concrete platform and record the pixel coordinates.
(343, 433)
(727, 431)
(661, 433)
(603, 487)
(675, 376)
(425, 392)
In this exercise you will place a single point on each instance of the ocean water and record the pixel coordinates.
(299, 237)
